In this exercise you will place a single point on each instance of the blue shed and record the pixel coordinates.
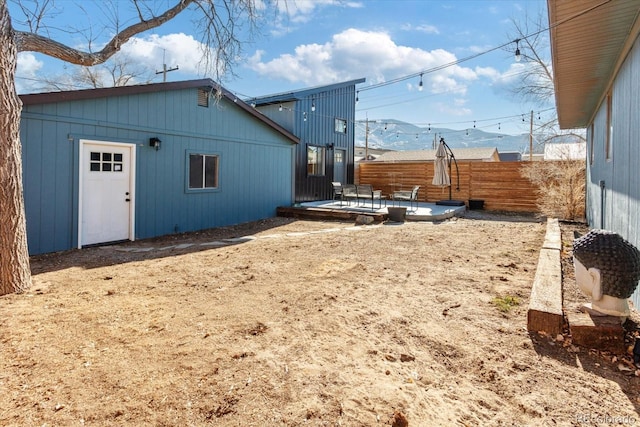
(125, 163)
(596, 60)
(324, 118)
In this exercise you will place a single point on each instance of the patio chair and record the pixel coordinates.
(349, 193)
(410, 196)
(337, 191)
(366, 192)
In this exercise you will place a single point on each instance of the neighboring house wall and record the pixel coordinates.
(311, 115)
(613, 183)
(255, 163)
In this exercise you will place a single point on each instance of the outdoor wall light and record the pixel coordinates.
(330, 146)
(155, 143)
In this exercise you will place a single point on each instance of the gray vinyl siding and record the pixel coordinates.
(617, 207)
(255, 163)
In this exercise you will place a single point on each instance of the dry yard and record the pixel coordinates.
(308, 324)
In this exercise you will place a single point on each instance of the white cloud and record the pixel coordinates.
(424, 28)
(294, 13)
(178, 49)
(27, 68)
(354, 53)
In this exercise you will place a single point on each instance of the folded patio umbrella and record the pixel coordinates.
(441, 174)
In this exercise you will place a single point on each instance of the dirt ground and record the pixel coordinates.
(306, 323)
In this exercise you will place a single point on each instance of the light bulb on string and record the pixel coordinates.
(357, 97)
(313, 106)
(518, 56)
(304, 116)
(474, 124)
(280, 107)
(420, 84)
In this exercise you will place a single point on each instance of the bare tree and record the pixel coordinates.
(534, 80)
(120, 70)
(561, 186)
(218, 21)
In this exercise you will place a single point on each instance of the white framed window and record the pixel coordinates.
(315, 160)
(202, 171)
(340, 125)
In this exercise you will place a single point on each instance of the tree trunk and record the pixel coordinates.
(15, 273)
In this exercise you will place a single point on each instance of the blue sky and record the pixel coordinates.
(316, 42)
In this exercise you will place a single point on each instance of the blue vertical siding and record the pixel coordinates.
(255, 166)
(617, 208)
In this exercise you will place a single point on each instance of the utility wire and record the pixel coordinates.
(468, 58)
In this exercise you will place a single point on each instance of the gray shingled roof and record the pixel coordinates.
(481, 153)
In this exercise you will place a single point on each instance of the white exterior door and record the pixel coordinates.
(106, 192)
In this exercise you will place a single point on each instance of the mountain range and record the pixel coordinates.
(398, 135)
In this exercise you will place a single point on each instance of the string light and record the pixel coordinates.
(280, 107)
(420, 84)
(518, 56)
(313, 105)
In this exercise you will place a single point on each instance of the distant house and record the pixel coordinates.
(361, 153)
(510, 156)
(596, 58)
(489, 154)
(134, 162)
(323, 118)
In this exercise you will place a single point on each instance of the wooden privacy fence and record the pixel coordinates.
(499, 184)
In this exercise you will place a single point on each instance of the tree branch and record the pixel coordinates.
(37, 43)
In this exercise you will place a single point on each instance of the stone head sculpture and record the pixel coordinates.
(607, 269)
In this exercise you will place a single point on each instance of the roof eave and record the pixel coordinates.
(302, 93)
(84, 94)
(589, 41)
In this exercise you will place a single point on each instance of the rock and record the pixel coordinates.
(399, 420)
(364, 220)
(407, 358)
(623, 368)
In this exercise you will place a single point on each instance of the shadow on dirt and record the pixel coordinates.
(154, 248)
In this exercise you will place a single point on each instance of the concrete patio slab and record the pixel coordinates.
(423, 211)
